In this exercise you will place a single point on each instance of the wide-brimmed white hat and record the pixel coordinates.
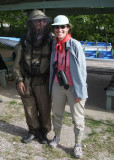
(60, 20)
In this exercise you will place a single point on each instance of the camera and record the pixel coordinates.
(62, 79)
(35, 69)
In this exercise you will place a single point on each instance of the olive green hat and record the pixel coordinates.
(36, 14)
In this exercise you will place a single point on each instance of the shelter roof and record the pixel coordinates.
(54, 7)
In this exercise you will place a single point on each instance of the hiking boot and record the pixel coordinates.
(54, 142)
(28, 138)
(78, 151)
(42, 138)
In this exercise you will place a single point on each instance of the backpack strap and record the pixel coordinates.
(50, 41)
(23, 41)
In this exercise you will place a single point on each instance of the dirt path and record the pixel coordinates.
(13, 127)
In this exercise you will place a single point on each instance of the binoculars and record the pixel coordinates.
(35, 69)
(62, 79)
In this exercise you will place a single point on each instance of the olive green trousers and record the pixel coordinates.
(37, 106)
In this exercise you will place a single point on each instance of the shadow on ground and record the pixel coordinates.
(12, 129)
(9, 93)
(96, 93)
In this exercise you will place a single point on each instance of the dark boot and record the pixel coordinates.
(28, 138)
(42, 138)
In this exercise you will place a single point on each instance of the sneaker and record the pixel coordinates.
(54, 142)
(78, 151)
(28, 138)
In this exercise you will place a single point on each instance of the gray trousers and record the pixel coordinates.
(59, 98)
(37, 105)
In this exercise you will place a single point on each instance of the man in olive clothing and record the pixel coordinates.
(32, 75)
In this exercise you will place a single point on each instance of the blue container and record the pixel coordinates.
(92, 57)
(103, 44)
(90, 44)
(86, 43)
(101, 54)
(105, 54)
(109, 54)
(107, 57)
(82, 42)
(89, 53)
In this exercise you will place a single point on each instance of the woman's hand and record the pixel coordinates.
(78, 99)
(21, 87)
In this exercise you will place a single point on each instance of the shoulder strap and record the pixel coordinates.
(23, 41)
(50, 41)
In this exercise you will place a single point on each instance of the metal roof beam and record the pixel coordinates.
(79, 11)
(60, 4)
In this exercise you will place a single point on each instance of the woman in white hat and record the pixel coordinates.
(67, 82)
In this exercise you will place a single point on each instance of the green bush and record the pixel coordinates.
(16, 21)
(85, 27)
(93, 27)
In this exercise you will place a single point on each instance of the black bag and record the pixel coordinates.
(3, 64)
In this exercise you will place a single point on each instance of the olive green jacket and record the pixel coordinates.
(24, 57)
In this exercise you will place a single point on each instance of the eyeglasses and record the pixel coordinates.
(39, 20)
(62, 26)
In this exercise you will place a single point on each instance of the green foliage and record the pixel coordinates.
(85, 27)
(12, 102)
(92, 123)
(93, 27)
(16, 21)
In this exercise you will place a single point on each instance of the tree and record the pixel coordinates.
(85, 27)
(16, 21)
(93, 27)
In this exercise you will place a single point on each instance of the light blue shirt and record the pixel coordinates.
(77, 68)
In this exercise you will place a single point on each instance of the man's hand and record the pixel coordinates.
(21, 87)
(78, 99)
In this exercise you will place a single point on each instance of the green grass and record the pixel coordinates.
(92, 123)
(51, 154)
(6, 118)
(13, 102)
(96, 141)
(67, 119)
(12, 111)
(101, 138)
(110, 129)
(16, 139)
(20, 103)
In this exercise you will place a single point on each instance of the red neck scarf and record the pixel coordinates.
(59, 43)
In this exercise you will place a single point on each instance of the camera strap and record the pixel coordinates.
(65, 57)
(55, 66)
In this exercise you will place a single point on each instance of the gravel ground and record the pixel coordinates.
(13, 127)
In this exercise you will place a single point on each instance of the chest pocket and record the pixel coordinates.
(41, 60)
